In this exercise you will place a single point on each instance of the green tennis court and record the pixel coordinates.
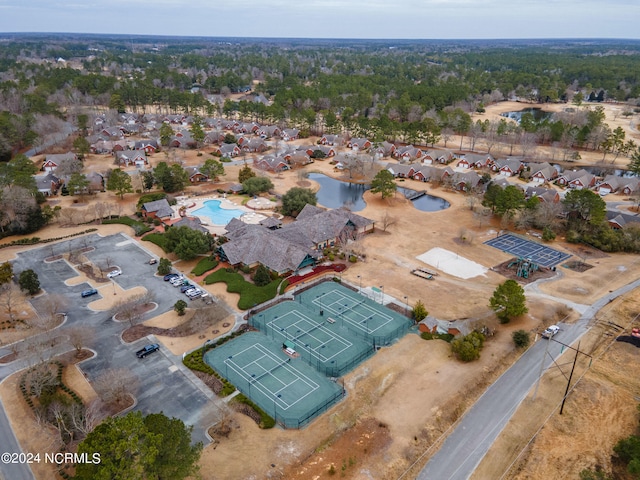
(289, 389)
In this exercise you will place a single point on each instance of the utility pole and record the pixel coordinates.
(566, 392)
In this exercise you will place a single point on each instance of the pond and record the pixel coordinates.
(335, 194)
(538, 114)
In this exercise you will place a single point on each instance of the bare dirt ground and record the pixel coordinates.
(400, 401)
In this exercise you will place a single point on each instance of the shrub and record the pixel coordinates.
(261, 277)
(250, 294)
(548, 235)
(521, 338)
(353, 258)
(447, 337)
(265, 420)
(180, 306)
(204, 266)
(164, 266)
(468, 347)
(419, 311)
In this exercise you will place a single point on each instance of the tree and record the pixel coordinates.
(468, 347)
(295, 200)
(180, 306)
(119, 182)
(509, 199)
(508, 301)
(147, 181)
(81, 146)
(170, 178)
(584, 206)
(127, 449)
(164, 266)
(634, 164)
(6, 273)
(245, 174)
(28, 280)
(187, 243)
(166, 132)
(197, 132)
(177, 458)
(388, 220)
(79, 337)
(78, 183)
(213, 169)
(419, 312)
(261, 277)
(521, 338)
(255, 185)
(383, 183)
(116, 385)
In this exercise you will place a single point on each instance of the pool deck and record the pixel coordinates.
(194, 203)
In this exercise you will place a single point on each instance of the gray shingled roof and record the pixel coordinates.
(160, 207)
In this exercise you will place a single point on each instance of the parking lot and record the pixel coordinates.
(164, 384)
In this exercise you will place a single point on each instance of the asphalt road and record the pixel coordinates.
(469, 442)
(164, 383)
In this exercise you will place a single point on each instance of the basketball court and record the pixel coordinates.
(523, 248)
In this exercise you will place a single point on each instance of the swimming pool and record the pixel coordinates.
(218, 216)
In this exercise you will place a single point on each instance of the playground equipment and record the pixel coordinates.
(525, 266)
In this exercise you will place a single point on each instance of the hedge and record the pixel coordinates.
(250, 294)
(158, 239)
(265, 420)
(36, 240)
(139, 227)
(204, 266)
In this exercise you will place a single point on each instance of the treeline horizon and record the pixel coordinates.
(422, 91)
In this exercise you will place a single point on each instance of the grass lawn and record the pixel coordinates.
(139, 227)
(204, 265)
(250, 294)
(158, 239)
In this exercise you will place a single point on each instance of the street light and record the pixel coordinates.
(382, 299)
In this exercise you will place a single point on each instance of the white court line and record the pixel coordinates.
(267, 392)
(312, 350)
(352, 303)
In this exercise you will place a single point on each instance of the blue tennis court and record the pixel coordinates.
(523, 248)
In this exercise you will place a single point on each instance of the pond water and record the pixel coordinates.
(538, 114)
(335, 194)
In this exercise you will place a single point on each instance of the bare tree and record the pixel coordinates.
(41, 377)
(116, 385)
(10, 298)
(79, 337)
(482, 216)
(86, 418)
(387, 220)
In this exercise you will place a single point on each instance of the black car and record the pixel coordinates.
(169, 276)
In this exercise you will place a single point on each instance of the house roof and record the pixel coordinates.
(43, 182)
(271, 222)
(160, 207)
(190, 222)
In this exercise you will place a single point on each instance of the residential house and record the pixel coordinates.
(182, 139)
(298, 158)
(401, 171)
(433, 325)
(479, 160)
(569, 175)
(215, 136)
(257, 145)
(508, 167)
(618, 220)
(195, 175)
(543, 172)
(131, 157)
(252, 127)
(384, 149)
(429, 173)
(587, 180)
(48, 184)
(96, 182)
(269, 131)
(228, 150)
(149, 146)
(359, 144)
(271, 223)
(289, 134)
(408, 153)
(52, 160)
(157, 209)
(328, 151)
(112, 133)
(617, 184)
(129, 118)
(546, 195)
(443, 157)
(464, 163)
(332, 140)
(271, 163)
(465, 181)
(108, 146)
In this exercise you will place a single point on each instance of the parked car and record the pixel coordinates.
(114, 273)
(191, 290)
(177, 281)
(185, 287)
(88, 293)
(153, 261)
(551, 331)
(169, 276)
(143, 352)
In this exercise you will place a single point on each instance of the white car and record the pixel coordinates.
(114, 273)
(551, 331)
(177, 281)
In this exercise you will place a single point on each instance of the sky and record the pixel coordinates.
(387, 19)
